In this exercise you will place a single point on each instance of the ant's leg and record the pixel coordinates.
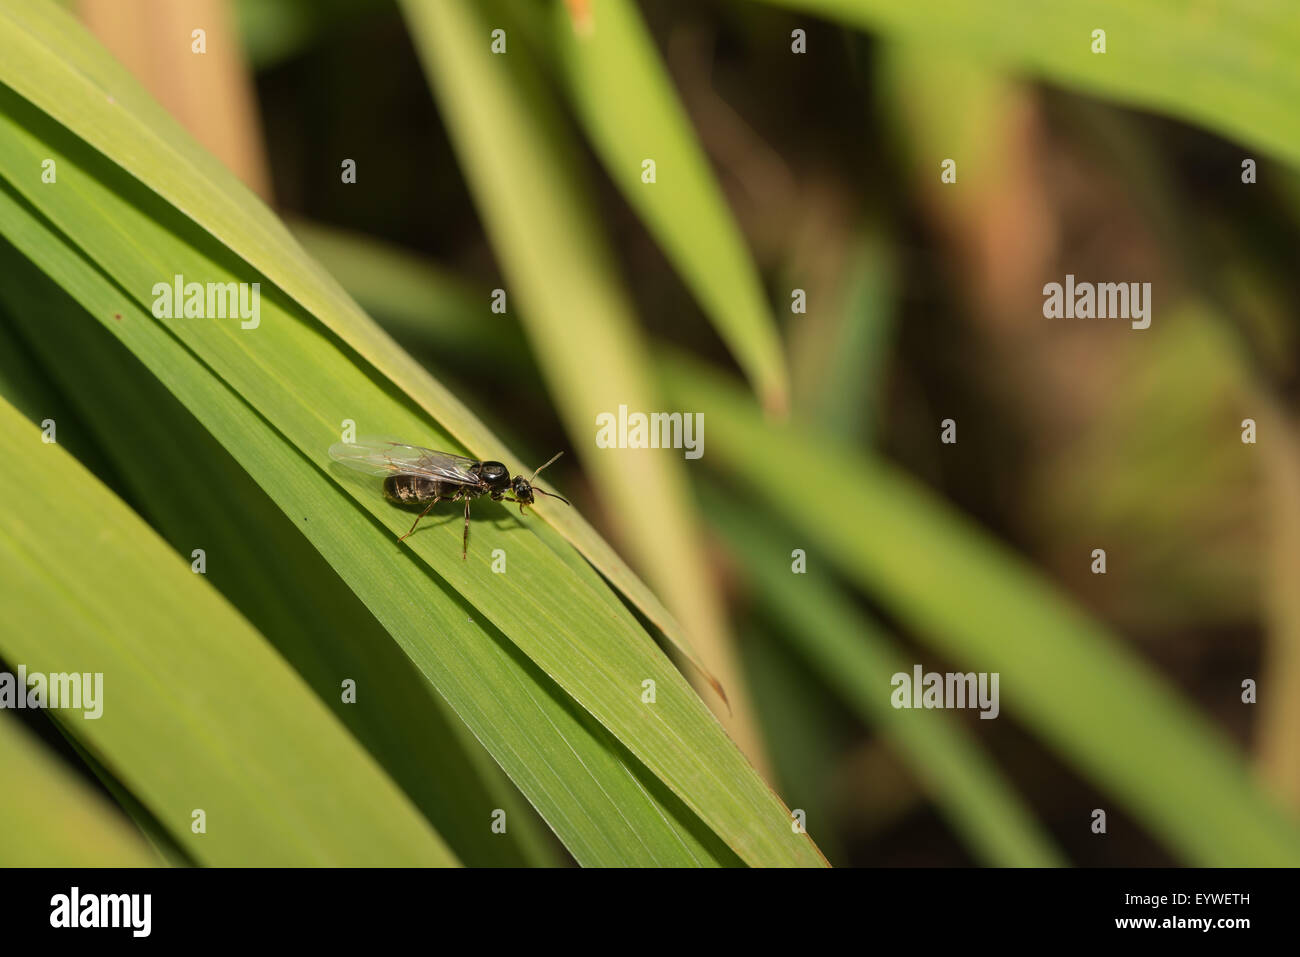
(507, 498)
(418, 517)
(464, 542)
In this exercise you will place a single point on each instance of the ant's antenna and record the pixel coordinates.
(543, 492)
(540, 467)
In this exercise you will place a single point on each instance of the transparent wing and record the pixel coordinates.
(381, 457)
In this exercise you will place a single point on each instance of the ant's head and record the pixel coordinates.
(523, 487)
(523, 490)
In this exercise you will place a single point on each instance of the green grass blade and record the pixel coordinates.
(305, 383)
(278, 394)
(54, 819)
(1229, 68)
(189, 688)
(627, 104)
(1064, 675)
(854, 656)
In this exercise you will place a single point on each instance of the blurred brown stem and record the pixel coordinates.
(211, 94)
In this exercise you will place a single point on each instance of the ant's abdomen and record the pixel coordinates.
(411, 489)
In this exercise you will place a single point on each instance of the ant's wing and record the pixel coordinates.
(381, 457)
